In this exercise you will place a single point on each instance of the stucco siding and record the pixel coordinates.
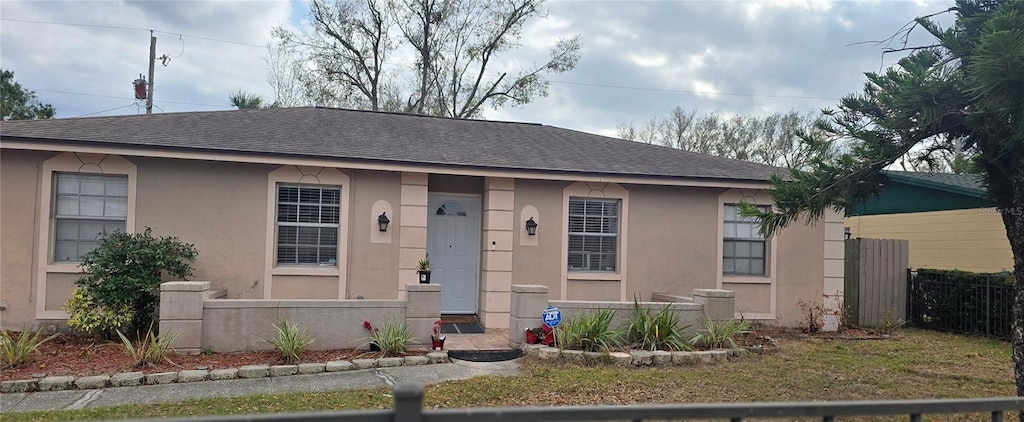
(373, 267)
(539, 262)
(599, 290)
(801, 267)
(218, 207)
(968, 240)
(19, 177)
(672, 233)
(304, 287)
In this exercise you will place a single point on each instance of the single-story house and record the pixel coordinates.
(286, 203)
(947, 218)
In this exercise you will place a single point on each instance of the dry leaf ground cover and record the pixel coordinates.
(913, 364)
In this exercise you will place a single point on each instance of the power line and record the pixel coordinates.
(129, 28)
(637, 88)
(104, 111)
(124, 98)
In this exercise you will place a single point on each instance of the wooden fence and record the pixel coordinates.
(875, 285)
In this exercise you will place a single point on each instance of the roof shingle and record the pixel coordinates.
(389, 137)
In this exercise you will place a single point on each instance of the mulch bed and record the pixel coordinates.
(78, 356)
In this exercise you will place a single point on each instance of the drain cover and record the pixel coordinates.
(485, 355)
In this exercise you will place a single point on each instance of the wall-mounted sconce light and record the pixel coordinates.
(846, 232)
(383, 221)
(531, 227)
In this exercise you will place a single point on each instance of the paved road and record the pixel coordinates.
(367, 378)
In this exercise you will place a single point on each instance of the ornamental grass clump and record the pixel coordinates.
(719, 334)
(393, 337)
(15, 349)
(150, 349)
(649, 330)
(290, 341)
(591, 332)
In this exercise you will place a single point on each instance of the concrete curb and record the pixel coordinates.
(632, 357)
(126, 379)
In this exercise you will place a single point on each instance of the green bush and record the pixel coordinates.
(290, 341)
(124, 273)
(651, 330)
(590, 332)
(15, 349)
(393, 337)
(719, 334)
(86, 316)
(149, 349)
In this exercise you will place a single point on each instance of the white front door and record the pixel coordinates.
(453, 247)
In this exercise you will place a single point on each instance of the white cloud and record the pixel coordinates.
(767, 49)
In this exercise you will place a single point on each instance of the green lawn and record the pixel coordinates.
(916, 364)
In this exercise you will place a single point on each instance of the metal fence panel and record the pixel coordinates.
(409, 408)
(938, 302)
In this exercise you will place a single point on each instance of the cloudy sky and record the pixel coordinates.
(639, 59)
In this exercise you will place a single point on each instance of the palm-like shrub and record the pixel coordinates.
(393, 337)
(590, 332)
(290, 341)
(150, 349)
(719, 334)
(16, 348)
(659, 330)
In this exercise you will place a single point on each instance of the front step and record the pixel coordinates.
(485, 355)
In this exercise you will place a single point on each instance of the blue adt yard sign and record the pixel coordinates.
(552, 316)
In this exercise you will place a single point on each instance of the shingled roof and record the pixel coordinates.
(389, 138)
(964, 184)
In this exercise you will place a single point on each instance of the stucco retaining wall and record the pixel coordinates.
(530, 301)
(188, 309)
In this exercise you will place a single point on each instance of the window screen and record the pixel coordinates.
(86, 208)
(307, 224)
(593, 234)
(743, 247)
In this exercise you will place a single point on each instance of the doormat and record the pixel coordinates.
(449, 319)
(485, 355)
(462, 328)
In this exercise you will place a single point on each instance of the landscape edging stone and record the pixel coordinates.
(131, 379)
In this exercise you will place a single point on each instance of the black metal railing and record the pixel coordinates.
(960, 302)
(408, 407)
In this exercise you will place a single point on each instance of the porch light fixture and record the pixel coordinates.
(383, 221)
(531, 227)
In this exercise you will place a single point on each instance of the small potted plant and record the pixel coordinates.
(437, 338)
(423, 270)
(539, 335)
(547, 336)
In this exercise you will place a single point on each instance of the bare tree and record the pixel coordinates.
(283, 75)
(772, 140)
(421, 56)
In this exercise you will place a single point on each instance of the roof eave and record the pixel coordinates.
(221, 152)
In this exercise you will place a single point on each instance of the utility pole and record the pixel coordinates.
(152, 64)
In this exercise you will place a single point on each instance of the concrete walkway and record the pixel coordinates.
(491, 339)
(367, 378)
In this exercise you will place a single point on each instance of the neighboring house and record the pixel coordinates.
(284, 204)
(948, 219)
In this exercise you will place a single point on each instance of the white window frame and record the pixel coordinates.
(47, 269)
(598, 235)
(104, 219)
(320, 205)
(736, 239)
(302, 175)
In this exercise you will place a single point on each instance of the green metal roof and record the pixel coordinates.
(909, 191)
